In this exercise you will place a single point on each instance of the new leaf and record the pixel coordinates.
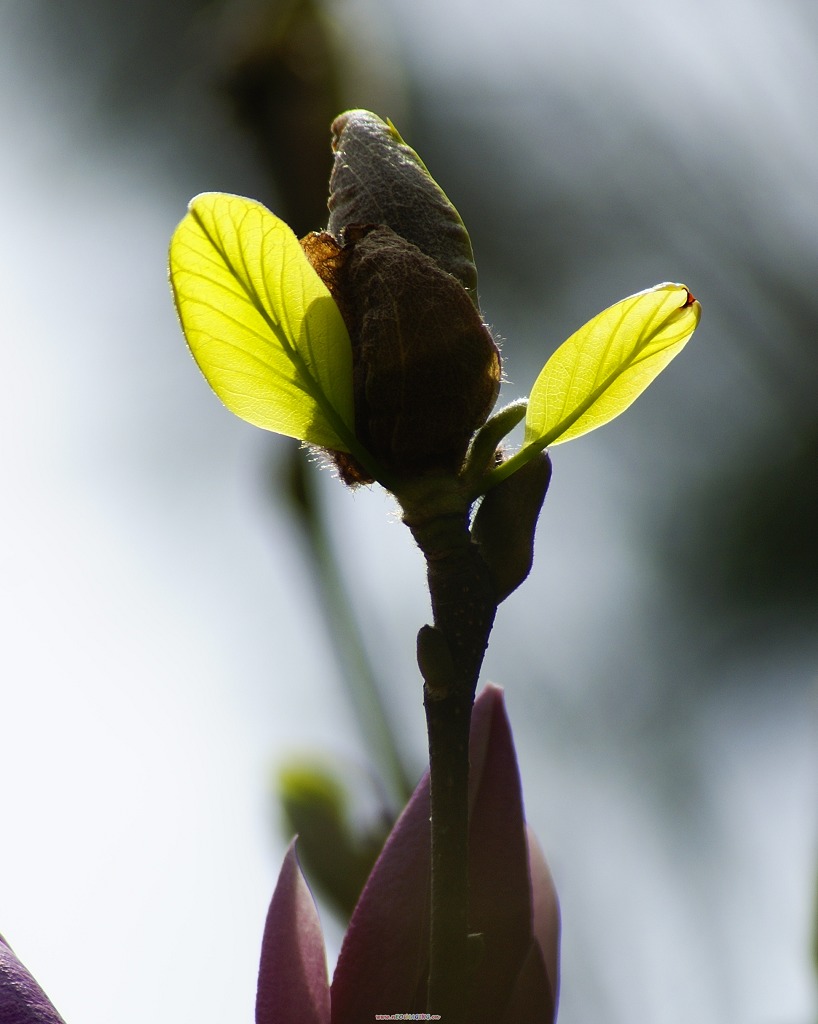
(604, 367)
(260, 323)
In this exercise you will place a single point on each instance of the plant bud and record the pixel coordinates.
(506, 521)
(426, 370)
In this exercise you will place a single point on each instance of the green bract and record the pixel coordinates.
(260, 323)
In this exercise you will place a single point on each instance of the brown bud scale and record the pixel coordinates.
(426, 370)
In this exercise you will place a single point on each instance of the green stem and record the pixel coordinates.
(516, 461)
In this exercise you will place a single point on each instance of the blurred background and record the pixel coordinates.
(165, 647)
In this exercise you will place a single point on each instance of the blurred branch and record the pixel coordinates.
(305, 508)
(336, 852)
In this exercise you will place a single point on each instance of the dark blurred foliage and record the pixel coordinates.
(128, 65)
(283, 82)
(217, 84)
(746, 553)
(761, 559)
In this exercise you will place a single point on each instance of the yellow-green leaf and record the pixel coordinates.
(599, 371)
(260, 323)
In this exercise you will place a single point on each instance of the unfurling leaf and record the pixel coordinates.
(604, 367)
(260, 323)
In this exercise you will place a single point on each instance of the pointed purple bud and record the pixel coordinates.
(546, 910)
(499, 890)
(383, 963)
(534, 998)
(22, 1001)
(292, 979)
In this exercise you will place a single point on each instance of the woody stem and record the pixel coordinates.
(464, 607)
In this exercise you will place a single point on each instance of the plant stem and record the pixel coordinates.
(464, 606)
(447, 723)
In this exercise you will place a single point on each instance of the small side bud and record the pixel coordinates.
(484, 451)
(435, 662)
(506, 521)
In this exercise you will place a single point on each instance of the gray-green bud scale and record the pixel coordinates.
(378, 179)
